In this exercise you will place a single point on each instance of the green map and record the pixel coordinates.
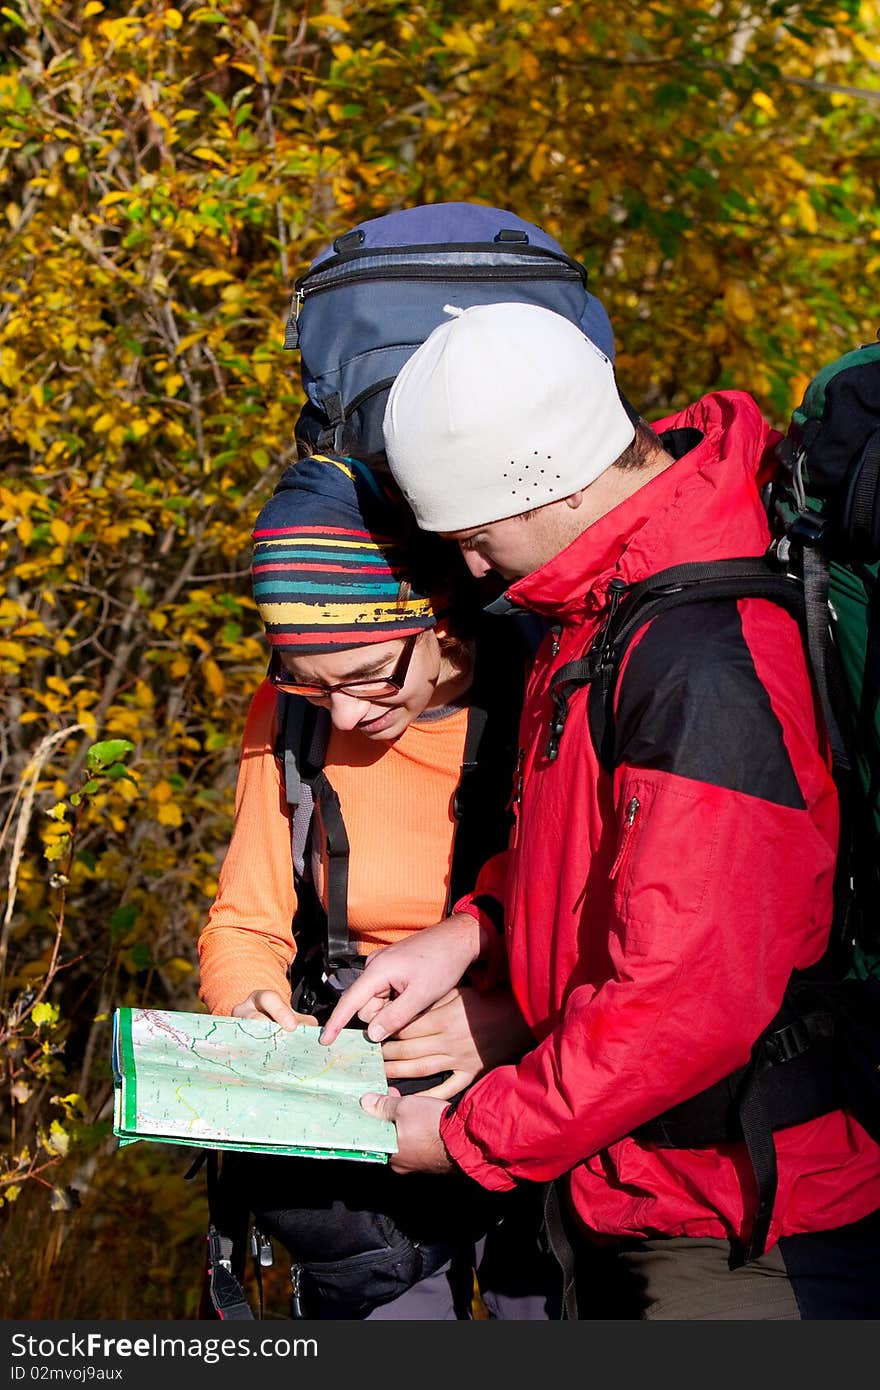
(247, 1084)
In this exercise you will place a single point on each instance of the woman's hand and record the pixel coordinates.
(266, 1003)
(465, 1032)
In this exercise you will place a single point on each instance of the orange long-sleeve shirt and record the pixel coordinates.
(396, 802)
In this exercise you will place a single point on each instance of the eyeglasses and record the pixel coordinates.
(365, 688)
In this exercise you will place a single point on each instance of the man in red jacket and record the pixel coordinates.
(653, 914)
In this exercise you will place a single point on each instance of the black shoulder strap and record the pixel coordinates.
(340, 949)
(464, 847)
(481, 805)
(631, 607)
(303, 735)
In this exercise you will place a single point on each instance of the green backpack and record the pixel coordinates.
(825, 499)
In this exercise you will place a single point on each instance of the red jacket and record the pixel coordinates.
(653, 919)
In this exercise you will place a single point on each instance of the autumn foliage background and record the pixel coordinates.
(165, 174)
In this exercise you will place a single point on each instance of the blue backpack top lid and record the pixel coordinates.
(369, 300)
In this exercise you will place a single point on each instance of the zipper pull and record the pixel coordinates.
(296, 1306)
(555, 634)
(633, 807)
(261, 1248)
(616, 590)
(518, 777)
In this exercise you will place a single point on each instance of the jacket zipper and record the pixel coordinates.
(632, 811)
(516, 798)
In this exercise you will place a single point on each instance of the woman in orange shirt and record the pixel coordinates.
(355, 633)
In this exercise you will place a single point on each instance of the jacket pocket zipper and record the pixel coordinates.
(632, 811)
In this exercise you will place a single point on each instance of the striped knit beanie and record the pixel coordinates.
(327, 563)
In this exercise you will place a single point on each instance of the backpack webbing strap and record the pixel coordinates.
(758, 1137)
(467, 831)
(750, 577)
(227, 1230)
(862, 504)
(303, 732)
(340, 948)
(561, 1247)
(224, 1291)
(868, 712)
(830, 682)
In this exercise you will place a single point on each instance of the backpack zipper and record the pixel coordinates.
(511, 254)
(632, 811)
(452, 273)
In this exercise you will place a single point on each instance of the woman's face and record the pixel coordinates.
(413, 660)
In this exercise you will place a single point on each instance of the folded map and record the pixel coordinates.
(247, 1084)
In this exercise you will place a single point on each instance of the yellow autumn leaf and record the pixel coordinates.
(162, 792)
(738, 301)
(263, 372)
(807, 213)
(92, 8)
(330, 21)
(60, 530)
(44, 1013)
(213, 275)
(202, 152)
(214, 678)
(172, 19)
(764, 103)
(178, 968)
(169, 813)
(57, 1140)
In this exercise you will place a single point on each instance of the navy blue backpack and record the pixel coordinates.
(369, 300)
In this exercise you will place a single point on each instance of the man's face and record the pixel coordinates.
(517, 545)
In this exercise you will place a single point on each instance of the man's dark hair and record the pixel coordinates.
(640, 452)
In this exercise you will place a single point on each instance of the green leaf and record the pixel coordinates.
(101, 755)
(141, 956)
(122, 921)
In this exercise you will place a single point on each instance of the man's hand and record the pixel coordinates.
(420, 1148)
(266, 1003)
(465, 1032)
(399, 982)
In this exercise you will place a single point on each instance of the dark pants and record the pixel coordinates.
(820, 1275)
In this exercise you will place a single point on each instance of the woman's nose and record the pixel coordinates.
(346, 710)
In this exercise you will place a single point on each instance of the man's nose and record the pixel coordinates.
(346, 710)
(478, 566)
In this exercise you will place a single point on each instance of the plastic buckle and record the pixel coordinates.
(789, 1042)
(808, 528)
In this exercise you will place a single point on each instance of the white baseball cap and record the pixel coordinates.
(504, 408)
